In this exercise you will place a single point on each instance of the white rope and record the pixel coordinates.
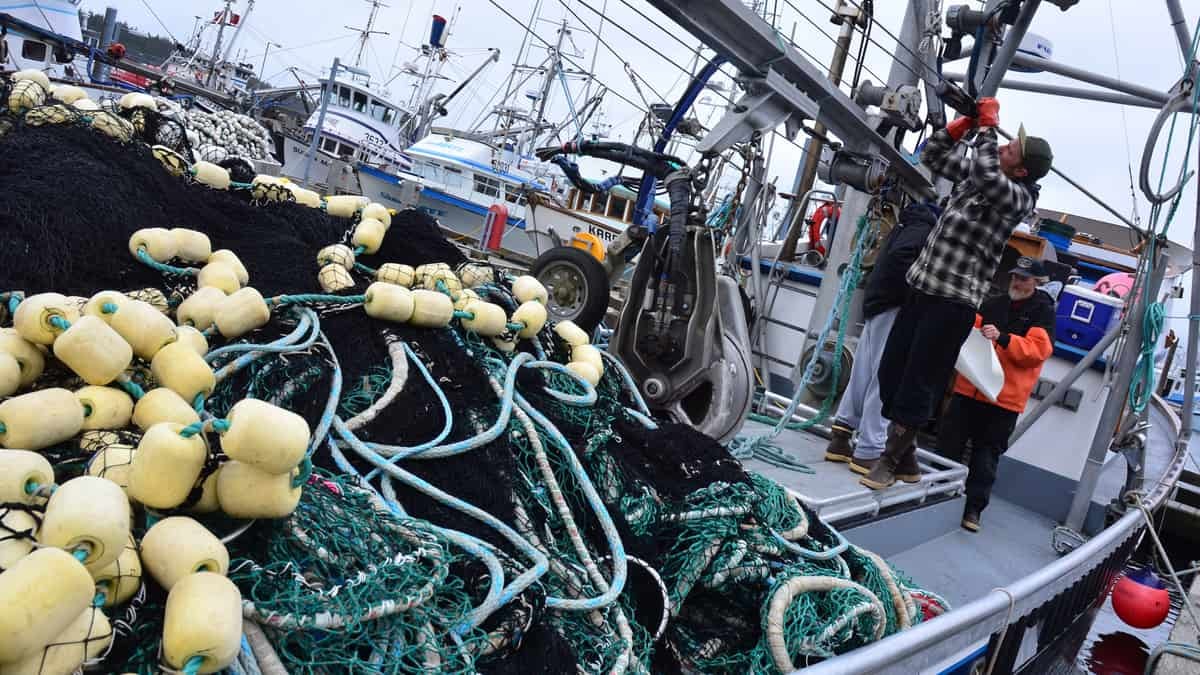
(786, 592)
(900, 600)
(399, 377)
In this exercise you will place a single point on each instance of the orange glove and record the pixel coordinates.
(959, 126)
(989, 111)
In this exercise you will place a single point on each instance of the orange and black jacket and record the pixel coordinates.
(1026, 341)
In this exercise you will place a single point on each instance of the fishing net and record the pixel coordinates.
(466, 506)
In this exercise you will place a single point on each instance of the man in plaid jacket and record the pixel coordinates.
(994, 191)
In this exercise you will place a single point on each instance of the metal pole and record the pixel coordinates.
(813, 148)
(1114, 405)
(1189, 380)
(108, 32)
(1063, 385)
(1012, 40)
(212, 64)
(1038, 63)
(238, 31)
(316, 139)
(1182, 33)
(267, 50)
(1101, 95)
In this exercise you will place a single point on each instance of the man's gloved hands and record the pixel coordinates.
(959, 126)
(989, 112)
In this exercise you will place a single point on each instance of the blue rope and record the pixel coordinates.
(246, 359)
(289, 343)
(315, 298)
(579, 400)
(400, 452)
(146, 260)
(327, 415)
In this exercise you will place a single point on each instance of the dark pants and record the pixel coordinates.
(987, 427)
(918, 360)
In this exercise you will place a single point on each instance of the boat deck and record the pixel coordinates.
(916, 526)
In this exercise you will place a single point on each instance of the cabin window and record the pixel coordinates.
(345, 149)
(598, 204)
(360, 102)
(389, 116)
(344, 97)
(33, 50)
(514, 195)
(616, 208)
(487, 186)
(329, 145)
(379, 111)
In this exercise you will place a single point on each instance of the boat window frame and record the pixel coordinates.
(25, 50)
(491, 187)
(343, 103)
(358, 96)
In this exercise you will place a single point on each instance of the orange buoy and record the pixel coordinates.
(1141, 600)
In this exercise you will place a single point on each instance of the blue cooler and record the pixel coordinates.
(1084, 316)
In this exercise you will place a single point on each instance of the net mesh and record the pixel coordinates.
(497, 558)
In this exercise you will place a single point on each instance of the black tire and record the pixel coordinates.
(577, 285)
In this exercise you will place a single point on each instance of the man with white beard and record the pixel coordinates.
(1020, 325)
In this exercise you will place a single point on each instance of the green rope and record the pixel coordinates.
(146, 260)
(315, 298)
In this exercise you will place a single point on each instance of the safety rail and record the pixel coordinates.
(1050, 598)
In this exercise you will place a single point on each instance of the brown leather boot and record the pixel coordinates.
(907, 469)
(883, 474)
(862, 466)
(839, 448)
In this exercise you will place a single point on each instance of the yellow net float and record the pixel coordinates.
(464, 297)
(40, 419)
(152, 297)
(333, 278)
(179, 368)
(116, 128)
(36, 316)
(431, 309)
(10, 374)
(178, 546)
(230, 258)
(444, 281)
(369, 235)
(247, 492)
(267, 188)
(166, 465)
(571, 333)
(94, 351)
(207, 173)
(422, 272)
(86, 638)
(68, 93)
(157, 242)
(13, 548)
(526, 288)
(191, 245)
(88, 517)
(193, 338)
(220, 276)
(163, 405)
(51, 114)
(85, 105)
(104, 304)
(305, 197)
(28, 356)
(265, 436)
(145, 328)
(486, 319)
(344, 206)
(395, 273)
(26, 94)
(122, 577)
(52, 589)
(199, 308)
(388, 302)
(172, 161)
(208, 502)
(137, 99)
(585, 371)
(32, 75)
(114, 463)
(378, 212)
(241, 313)
(336, 254)
(474, 274)
(589, 355)
(531, 315)
(203, 623)
(22, 475)
(105, 407)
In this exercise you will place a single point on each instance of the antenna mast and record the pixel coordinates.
(365, 34)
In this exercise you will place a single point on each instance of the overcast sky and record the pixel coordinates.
(1096, 143)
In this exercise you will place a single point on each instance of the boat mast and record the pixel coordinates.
(365, 34)
(551, 73)
(212, 64)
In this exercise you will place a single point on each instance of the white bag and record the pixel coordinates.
(977, 361)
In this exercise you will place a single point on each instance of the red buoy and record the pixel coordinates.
(1140, 600)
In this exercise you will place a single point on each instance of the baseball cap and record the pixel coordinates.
(1028, 267)
(1036, 155)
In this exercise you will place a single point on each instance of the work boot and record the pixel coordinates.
(908, 470)
(862, 466)
(839, 448)
(883, 474)
(970, 520)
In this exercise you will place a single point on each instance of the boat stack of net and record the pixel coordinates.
(248, 428)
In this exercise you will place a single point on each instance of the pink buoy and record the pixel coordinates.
(1117, 284)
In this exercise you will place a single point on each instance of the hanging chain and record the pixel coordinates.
(750, 151)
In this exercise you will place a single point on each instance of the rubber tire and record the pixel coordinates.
(595, 282)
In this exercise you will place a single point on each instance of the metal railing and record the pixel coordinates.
(1058, 592)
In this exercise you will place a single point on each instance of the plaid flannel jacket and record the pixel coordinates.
(961, 254)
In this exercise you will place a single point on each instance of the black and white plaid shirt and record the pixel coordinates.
(961, 255)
